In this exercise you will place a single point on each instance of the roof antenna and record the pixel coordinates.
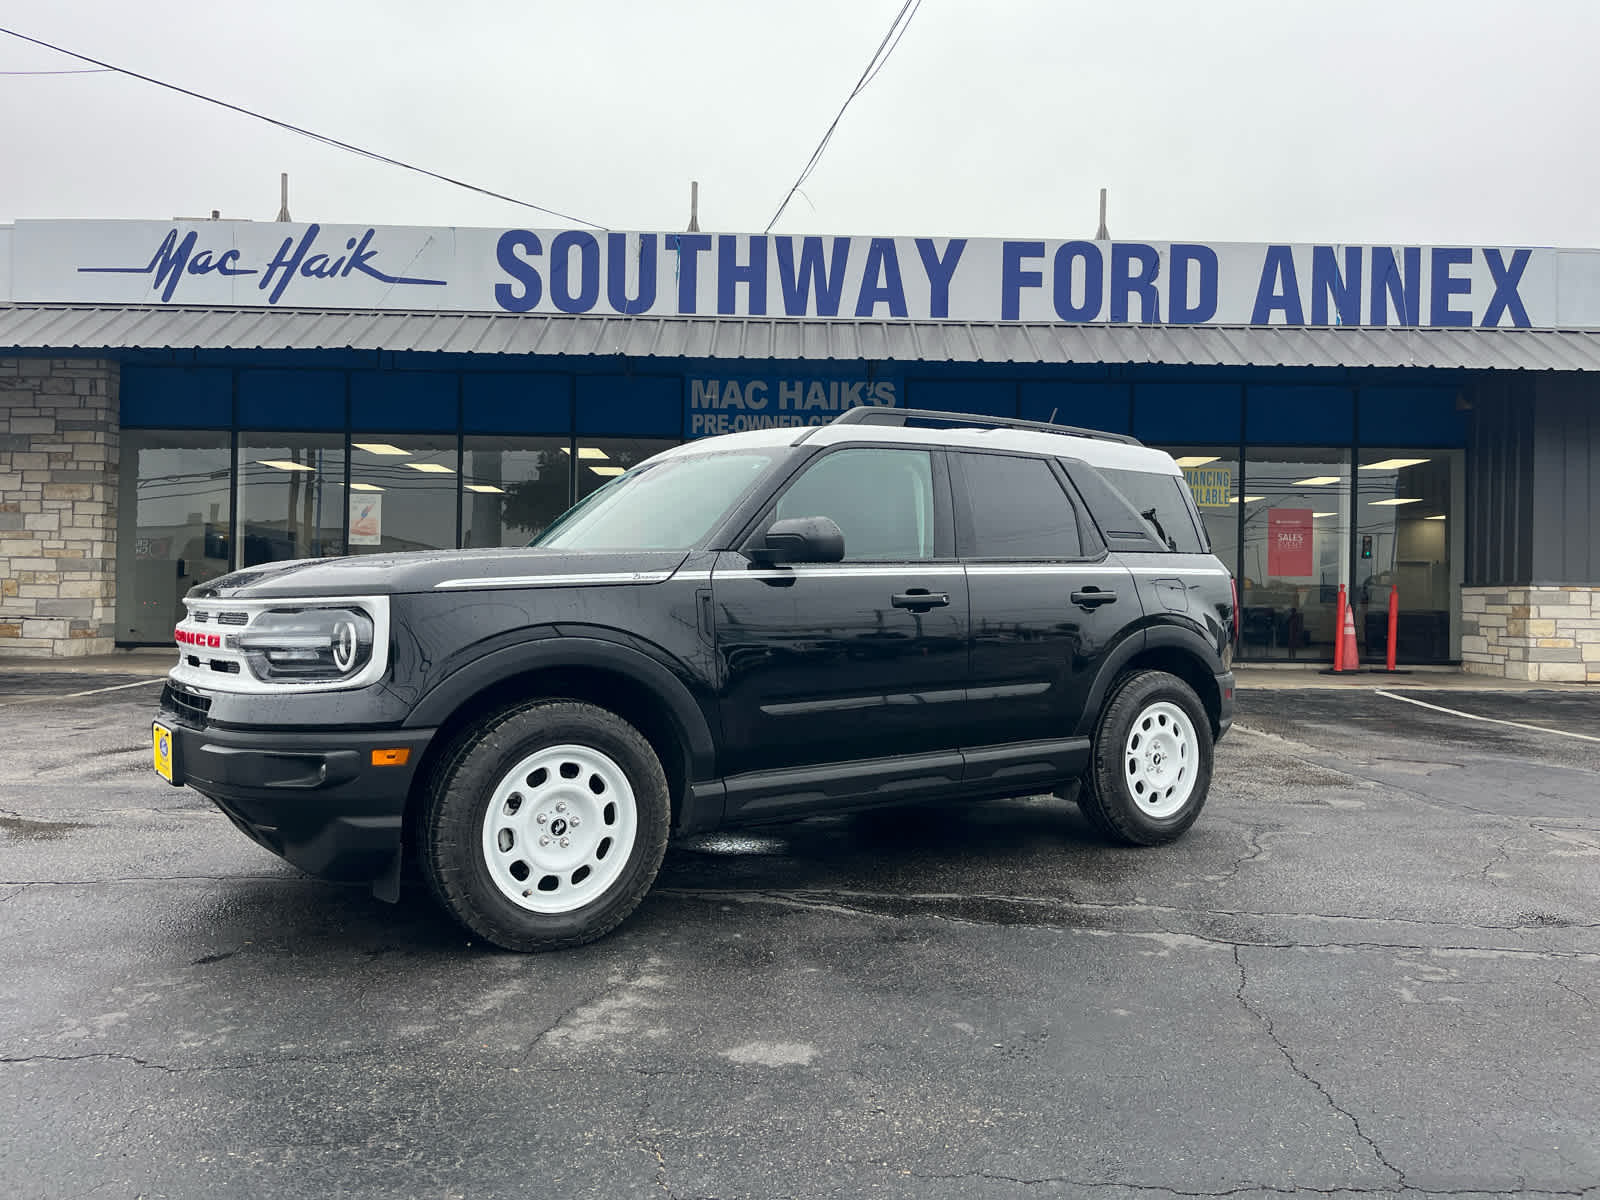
(694, 207)
(283, 203)
(1053, 413)
(1101, 234)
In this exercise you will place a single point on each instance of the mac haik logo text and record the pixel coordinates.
(179, 257)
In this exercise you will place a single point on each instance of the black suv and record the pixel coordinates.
(895, 606)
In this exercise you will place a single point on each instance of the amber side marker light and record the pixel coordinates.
(391, 758)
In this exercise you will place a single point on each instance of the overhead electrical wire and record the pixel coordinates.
(301, 130)
(880, 56)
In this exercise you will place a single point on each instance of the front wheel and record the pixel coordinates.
(546, 825)
(1152, 761)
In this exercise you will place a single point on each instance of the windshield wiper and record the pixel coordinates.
(1149, 514)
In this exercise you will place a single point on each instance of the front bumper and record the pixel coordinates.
(314, 798)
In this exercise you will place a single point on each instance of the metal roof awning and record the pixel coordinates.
(53, 328)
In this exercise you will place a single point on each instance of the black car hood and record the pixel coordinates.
(387, 574)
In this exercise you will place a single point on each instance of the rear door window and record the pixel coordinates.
(1016, 508)
(1161, 500)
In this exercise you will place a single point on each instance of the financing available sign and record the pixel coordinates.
(606, 273)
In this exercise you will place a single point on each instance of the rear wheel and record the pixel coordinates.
(1151, 770)
(546, 826)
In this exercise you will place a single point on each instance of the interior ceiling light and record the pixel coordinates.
(1317, 514)
(1196, 460)
(1316, 481)
(1246, 499)
(587, 452)
(380, 448)
(1392, 464)
(283, 464)
(1398, 500)
(365, 487)
(1439, 517)
(485, 487)
(432, 468)
(608, 470)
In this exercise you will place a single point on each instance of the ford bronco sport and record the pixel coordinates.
(899, 605)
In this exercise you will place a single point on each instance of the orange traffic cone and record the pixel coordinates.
(1349, 659)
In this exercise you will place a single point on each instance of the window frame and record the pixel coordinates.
(944, 539)
(1091, 546)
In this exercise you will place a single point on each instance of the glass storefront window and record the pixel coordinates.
(1407, 535)
(402, 492)
(600, 459)
(1296, 550)
(291, 496)
(1212, 473)
(174, 523)
(513, 488)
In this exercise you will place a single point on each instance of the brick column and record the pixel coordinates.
(58, 506)
(1539, 633)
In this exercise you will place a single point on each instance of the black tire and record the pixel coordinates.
(455, 838)
(1133, 812)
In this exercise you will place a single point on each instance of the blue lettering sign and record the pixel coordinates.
(617, 274)
(1125, 282)
(1389, 284)
(1506, 278)
(689, 247)
(1013, 278)
(514, 243)
(1344, 287)
(1179, 311)
(753, 275)
(939, 272)
(812, 277)
(883, 263)
(1094, 278)
(1445, 284)
(1279, 290)
(561, 294)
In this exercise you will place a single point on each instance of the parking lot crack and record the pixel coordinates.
(1288, 1056)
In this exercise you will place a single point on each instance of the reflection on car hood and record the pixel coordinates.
(384, 574)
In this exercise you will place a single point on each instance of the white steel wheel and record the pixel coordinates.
(559, 829)
(1159, 759)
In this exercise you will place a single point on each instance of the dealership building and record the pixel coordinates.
(182, 399)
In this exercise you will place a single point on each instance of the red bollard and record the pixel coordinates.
(1338, 632)
(1394, 620)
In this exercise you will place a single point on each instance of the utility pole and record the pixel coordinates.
(1101, 234)
(283, 203)
(694, 207)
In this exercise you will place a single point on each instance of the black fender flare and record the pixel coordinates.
(1152, 637)
(456, 689)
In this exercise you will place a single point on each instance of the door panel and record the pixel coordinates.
(821, 664)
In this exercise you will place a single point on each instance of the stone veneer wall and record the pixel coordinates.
(1541, 633)
(58, 506)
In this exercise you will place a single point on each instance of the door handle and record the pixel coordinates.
(920, 599)
(1093, 597)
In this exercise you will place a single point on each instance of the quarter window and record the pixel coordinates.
(1019, 509)
(881, 499)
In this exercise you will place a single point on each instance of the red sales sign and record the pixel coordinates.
(1289, 542)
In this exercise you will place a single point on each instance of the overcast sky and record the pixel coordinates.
(1387, 121)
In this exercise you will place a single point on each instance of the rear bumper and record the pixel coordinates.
(313, 798)
(1225, 711)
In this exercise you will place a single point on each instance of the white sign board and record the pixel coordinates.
(597, 273)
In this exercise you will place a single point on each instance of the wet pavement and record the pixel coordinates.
(1372, 966)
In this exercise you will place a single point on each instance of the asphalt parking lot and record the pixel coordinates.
(1373, 966)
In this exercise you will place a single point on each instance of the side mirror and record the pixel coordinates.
(800, 540)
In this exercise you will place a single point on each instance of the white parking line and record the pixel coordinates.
(116, 687)
(1456, 712)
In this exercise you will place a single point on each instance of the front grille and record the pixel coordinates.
(190, 705)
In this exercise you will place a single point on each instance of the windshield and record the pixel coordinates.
(669, 505)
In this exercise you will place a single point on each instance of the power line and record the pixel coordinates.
(312, 134)
(80, 71)
(880, 56)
